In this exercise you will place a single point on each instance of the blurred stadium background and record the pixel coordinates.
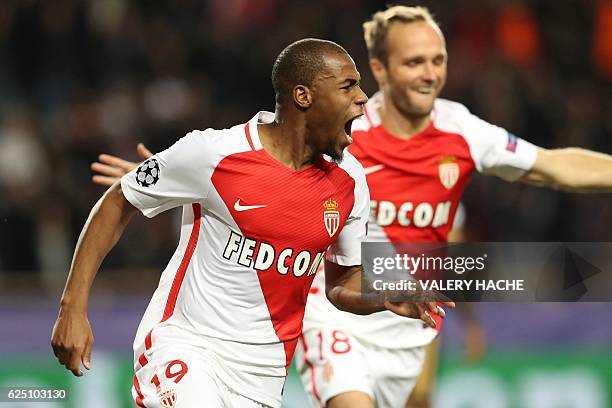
(80, 77)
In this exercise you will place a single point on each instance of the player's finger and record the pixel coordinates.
(448, 304)
(117, 162)
(74, 363)
(425, 315)
(435, 309)
(143, 152)
(87, 355)
(107, 170)
(104, 181)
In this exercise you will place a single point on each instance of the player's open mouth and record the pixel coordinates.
(425, 90)
(347, 130)
(348, 125)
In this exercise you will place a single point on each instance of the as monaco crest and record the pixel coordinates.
(448, 170)
(331, 216)
(167, 398)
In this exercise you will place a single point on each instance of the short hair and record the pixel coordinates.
(375, 31)
(300, 63)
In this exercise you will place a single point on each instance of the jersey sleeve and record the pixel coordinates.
(496, 151)
(179, 175)
(346, 250)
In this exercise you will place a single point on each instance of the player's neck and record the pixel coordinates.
(285, 142)
(400, 124)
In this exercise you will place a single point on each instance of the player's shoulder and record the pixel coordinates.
(450, 116)
(213, 136)
(227, 141)
(445, 109)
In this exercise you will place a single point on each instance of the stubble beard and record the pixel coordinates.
(335, 153)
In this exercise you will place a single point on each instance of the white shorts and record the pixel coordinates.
(331, 362)
(184, 376)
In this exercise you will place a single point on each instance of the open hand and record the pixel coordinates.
(110, 168)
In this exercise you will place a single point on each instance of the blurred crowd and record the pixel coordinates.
(82, 77)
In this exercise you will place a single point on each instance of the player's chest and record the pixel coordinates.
(431, 168)
(270, 203)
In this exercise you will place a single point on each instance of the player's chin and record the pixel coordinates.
(422, 103)
(336, 153)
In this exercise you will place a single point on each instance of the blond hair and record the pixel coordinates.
(375, 30)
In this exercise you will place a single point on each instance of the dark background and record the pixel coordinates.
(82, 77)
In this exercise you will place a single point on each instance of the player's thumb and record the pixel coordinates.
(143, 152)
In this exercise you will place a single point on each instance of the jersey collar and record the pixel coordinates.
(260, 118)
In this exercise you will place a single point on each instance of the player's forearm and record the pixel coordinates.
(352, 301)
(102, 230)
(572, 169)
(343, 289)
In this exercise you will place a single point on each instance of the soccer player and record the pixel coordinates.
(261, 207)
(418, 152)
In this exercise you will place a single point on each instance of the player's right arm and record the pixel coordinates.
(174, 177)
(72, 337)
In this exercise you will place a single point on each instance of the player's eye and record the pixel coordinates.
(349, 86)
(414, 62)
(439, 61)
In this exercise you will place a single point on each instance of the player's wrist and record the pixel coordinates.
(71, 305)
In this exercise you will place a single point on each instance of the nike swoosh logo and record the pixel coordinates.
(372, 169)
(239, 207)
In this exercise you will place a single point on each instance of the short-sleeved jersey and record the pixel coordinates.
(253, 234)
(415, 187)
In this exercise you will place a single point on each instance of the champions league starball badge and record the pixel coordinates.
(148, 173)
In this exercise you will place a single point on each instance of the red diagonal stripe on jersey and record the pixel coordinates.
(293, 201)
(180, 274)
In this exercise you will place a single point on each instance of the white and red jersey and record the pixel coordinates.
(253, 233)
(415, 187)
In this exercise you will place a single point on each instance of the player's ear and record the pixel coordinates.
(302, 97)
(379, 70)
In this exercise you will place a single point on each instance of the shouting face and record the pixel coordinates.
(337, 100)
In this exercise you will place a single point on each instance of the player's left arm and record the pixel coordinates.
(571, 169)
(343, 289)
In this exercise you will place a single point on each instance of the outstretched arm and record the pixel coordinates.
(343, 289)
(571, 169)
(72, 338)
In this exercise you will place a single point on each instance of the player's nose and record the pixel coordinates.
(429, 72)
(361, 98)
